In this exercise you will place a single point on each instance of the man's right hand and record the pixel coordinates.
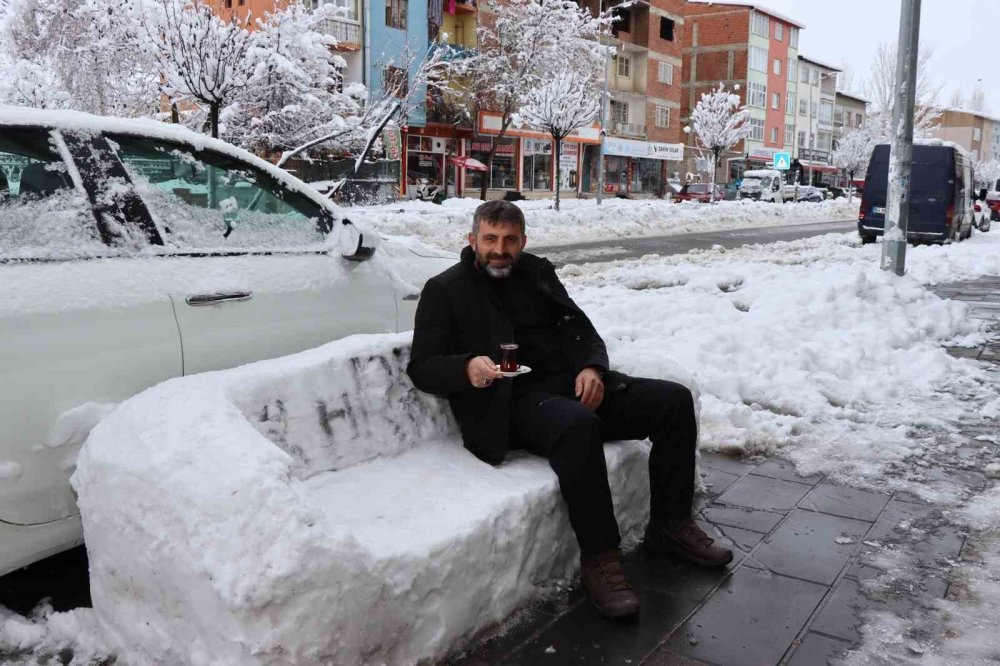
(481, 371)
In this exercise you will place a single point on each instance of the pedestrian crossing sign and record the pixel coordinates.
(783, 161)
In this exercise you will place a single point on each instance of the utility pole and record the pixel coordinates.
(604, 104)
(901, 156)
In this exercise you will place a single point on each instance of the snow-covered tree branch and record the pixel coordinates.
(719, 123)
(853, 151)
(560, 106)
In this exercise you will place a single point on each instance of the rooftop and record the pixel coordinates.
(751, 5)
(820, 63)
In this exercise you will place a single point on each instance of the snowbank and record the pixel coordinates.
(315, 509)
(579, 220)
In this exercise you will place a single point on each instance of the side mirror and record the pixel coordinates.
(352, 243)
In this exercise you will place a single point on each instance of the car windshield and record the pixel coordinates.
(698, 189)
(204, 200)
(751, 181)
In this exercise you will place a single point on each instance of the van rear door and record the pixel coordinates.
(932, 189)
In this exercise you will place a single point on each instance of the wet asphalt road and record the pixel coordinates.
(62, 579)
(633, 248)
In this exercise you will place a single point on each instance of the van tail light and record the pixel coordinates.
(864, 208)
(949, 214)
(978, 208)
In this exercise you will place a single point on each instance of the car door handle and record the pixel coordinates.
(197, 300)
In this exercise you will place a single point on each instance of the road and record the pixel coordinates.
(63, 579)
(638, 246)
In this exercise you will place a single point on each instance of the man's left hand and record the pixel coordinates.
(590, 388)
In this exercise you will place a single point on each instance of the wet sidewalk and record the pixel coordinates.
(805, 567)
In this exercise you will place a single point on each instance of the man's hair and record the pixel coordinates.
(497, 212)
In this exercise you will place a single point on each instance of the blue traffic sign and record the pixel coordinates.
(783, 161)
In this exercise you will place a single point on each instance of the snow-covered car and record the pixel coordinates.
(810, 194)
(699, 193)
(985, 209)
(134, 251)
(762, 185)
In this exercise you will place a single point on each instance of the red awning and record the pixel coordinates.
(468, 163)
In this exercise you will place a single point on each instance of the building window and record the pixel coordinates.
(826, 112)
(857, 120)
(666, 29)
(503, 174)
(394, 81)
(779, 31)
(665, 71)
(395, 14)
(756, 129)
(825, 141)
(774, 135)
(624, 67)
(977, 134)
(802, 139)
(789, 102)
(759, 24)
(758, 59)
(777, 66)
(804, 75)
(349, 7)
(663, 116)
(815, 77)
(619, 112)
(803, 107)
(775, 100)
(838, 116)
(789, 135)
(757, 95)
(622, 20)
(791, 69)
(536, 163)
(229, 4)
(813, 106)
(793, 38)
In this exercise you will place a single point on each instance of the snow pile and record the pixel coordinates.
(41, 638)
(447, 226)
(316, 509)
(806, 349)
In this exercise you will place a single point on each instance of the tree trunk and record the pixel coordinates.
(558, 153)
(715, 169)
(175, 116)
(213, 115)
(489, 172)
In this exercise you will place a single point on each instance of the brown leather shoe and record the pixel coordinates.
(685, 539)
(607, 585)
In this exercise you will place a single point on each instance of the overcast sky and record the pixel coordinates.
(963, 34)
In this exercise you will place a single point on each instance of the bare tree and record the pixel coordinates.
(881, 86)
(199, 56)
(565, 104)
(978, 101)
(719, 123)
(957, 100)
(519, 48)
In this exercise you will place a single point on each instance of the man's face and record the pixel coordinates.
(498, 247)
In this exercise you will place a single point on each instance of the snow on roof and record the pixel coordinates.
(841, 93)
(978, 114)
(11, 116)
(752, 5)
(820, 63)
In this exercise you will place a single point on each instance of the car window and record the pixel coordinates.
(698, 189)
(207, 201)
(42, 214)
(751, 181)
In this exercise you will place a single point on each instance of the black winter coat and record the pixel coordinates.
(459, 317)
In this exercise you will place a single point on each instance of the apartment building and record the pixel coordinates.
(850, 112)
(816, 88)
(742, 44)
(977, 132)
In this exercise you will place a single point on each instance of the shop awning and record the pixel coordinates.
(818, 166)
(468, 163)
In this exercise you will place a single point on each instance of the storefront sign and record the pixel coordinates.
(536, 147)
(484, 147)
(643, 149)
(765, 154)
(392, 142)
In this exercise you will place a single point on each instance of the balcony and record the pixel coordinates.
(347, 33)
(631, 130)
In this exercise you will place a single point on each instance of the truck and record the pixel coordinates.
(763, 185)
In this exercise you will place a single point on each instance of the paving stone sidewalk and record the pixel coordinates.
(795, 592)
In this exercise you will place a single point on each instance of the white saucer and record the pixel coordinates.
(521, 370)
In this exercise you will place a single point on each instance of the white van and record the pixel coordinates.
(763, 185)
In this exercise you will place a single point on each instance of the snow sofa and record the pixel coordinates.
(316, 509)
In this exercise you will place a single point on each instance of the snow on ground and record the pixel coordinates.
(446, 226)
(803, 349)
(46, 636)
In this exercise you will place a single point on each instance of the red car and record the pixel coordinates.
(699, 192)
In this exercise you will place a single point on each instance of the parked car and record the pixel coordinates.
(941, 183)
(134, 251)
(986, 208)
(763, 185)
(699, 192)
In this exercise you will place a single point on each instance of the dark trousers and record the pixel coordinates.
(572, 437)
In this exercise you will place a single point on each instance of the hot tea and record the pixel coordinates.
(508, 358)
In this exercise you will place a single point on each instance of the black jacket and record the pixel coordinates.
(460, 317)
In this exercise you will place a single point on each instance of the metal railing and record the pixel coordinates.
(628, 129)
(345, 32)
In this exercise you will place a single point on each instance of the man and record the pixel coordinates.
(565, 408)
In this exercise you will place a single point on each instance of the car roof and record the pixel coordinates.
(20, 116)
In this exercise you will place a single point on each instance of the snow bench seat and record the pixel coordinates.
(316, 509)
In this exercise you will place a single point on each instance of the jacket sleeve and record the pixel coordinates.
(593, 352)
(434, 365)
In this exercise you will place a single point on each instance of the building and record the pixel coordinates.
(849, 113)
(816, 89)
(747, 45)
(977, 133)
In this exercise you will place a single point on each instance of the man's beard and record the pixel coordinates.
(496, 272)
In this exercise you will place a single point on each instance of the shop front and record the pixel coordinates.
(536, 165)
(633, 167)
(502, 175)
